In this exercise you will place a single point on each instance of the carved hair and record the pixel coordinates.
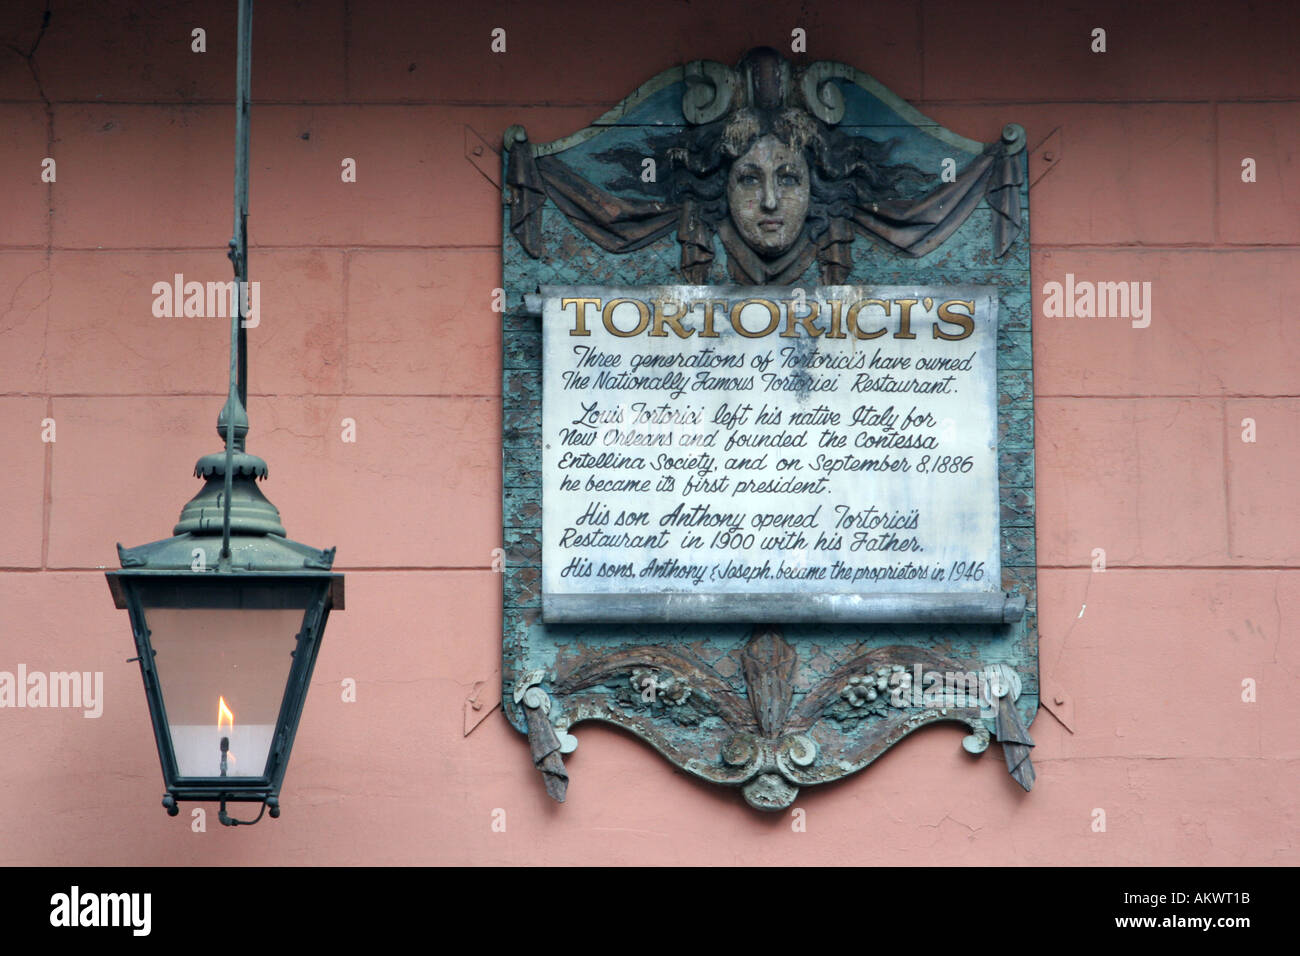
(842, 169)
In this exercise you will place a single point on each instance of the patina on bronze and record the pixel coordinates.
(767, 174)
(853, 187)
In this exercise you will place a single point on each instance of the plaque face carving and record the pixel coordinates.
(768, 496)
(767, 196)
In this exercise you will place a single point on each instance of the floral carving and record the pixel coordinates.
(763, 738)
(660, 687)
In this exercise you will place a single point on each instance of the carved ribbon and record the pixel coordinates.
(618, 225)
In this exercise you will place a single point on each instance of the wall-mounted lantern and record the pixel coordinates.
(228, 614)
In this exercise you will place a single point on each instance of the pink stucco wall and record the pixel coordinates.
(376, 307)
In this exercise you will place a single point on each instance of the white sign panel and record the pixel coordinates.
(768, 453)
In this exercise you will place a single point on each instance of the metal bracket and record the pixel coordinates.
(483, 157)
(1045, 157)
(484, 699)
(1057, 702)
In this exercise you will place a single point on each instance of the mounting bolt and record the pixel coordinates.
(478, 150)
(1059, 700)
(1049, 157)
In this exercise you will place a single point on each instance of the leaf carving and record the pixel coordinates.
(769, 663)
(708, 688)
(826, 691)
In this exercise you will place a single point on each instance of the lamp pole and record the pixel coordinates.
(239, 240)
(237, 397)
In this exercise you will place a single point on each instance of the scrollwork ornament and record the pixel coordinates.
(769, 791)
(710, 90)
(548, 744)
(823, 98)
(742, 750)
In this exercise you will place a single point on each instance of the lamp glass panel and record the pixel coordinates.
(223, 675)
(223, 652)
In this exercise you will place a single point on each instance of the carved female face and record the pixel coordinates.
(767, 195)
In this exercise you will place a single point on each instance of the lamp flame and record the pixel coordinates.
(225, 730)
(224, 717)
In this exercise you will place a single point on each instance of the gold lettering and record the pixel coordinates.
(580, 319)
(966, 322)
(772, 309)
(852, 318)
(905, 319)
(836, 331)
(805, 320)
(709, 308)
(607, 314)
(662, 315)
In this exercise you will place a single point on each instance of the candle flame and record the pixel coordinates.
(224, 717)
